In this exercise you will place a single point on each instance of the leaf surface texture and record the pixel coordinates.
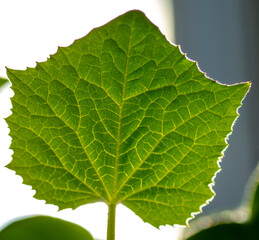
(121, 116)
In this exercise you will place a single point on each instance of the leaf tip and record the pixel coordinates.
(135, 11)
(248, 85)
(8, 70)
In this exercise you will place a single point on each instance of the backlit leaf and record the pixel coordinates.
(121, 116)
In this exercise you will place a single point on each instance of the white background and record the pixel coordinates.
(30, 31)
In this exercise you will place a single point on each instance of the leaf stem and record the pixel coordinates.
(111, 221)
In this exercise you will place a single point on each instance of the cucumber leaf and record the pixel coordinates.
(121, 116)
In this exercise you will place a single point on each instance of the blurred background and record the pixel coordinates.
(221, 35)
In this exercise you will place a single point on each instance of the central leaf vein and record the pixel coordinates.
(117, 158)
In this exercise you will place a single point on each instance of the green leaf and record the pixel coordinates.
(3, 81)
(43, 228)
(224, 225)
(121, 116)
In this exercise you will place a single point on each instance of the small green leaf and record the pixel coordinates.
(121, 116)
(44, 228)
(3, 81)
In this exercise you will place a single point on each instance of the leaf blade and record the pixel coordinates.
(121, 116)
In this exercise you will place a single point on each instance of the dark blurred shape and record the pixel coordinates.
(223, 36)
(230, 230)
(254, 220)
(44, 228)
(255, 208)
